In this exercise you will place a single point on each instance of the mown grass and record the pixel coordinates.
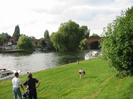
(63, 82)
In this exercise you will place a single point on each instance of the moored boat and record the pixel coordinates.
(6, 74)
(91, 54)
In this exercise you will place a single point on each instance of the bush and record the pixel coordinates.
(24, 43)
(117, 45)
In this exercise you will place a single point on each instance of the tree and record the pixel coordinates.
(117, 45)
(57, 41)
(24, 43)
(85, 30)
(94, 34)
(83, 44)
(4, 38)
(68, 37)
(47, 41)
(16, 33)
(46, 34)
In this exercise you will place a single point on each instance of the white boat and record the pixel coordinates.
(91, 54)
(6, 74)
(87, 56)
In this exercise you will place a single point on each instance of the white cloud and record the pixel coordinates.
(34, 16)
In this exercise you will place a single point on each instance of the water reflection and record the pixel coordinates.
(37, 61)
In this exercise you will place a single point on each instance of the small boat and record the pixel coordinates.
(91, 54)
(6, 74)
(87, 56)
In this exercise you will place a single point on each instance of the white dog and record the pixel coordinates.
(81, 73)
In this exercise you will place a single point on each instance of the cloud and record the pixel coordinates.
(89, 2)
(34, 16)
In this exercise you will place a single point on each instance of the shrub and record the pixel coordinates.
(117, 45)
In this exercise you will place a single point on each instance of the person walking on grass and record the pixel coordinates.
(31, 84)
(16, 86)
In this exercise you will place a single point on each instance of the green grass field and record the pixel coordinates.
(63, 82)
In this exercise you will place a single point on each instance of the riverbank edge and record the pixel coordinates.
(16, 51)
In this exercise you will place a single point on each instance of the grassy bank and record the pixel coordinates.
(63, 83)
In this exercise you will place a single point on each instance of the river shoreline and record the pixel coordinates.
(15, 51)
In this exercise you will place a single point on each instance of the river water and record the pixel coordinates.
(37, 61)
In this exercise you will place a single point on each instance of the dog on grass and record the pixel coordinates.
(81, 73)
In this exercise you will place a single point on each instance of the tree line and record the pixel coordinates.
(69, 37)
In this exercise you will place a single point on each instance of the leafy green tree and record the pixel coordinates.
(57, 39)
(117, 45)
(46, 35)
(24, 43)
(4, 38)
(47, 41)
(85, 30)
(83, 44)
(16, 33)
(68, 37)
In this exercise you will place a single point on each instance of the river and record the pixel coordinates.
(37, 61)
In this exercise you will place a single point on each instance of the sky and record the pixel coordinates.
(35, 16)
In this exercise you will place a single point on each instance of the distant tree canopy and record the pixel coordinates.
(94, 34)
(85, 30)
(83, 44)
(4, 37)
(16, 33)
(24, 43)
(117, 45)
(68, 36)
(46, 35)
